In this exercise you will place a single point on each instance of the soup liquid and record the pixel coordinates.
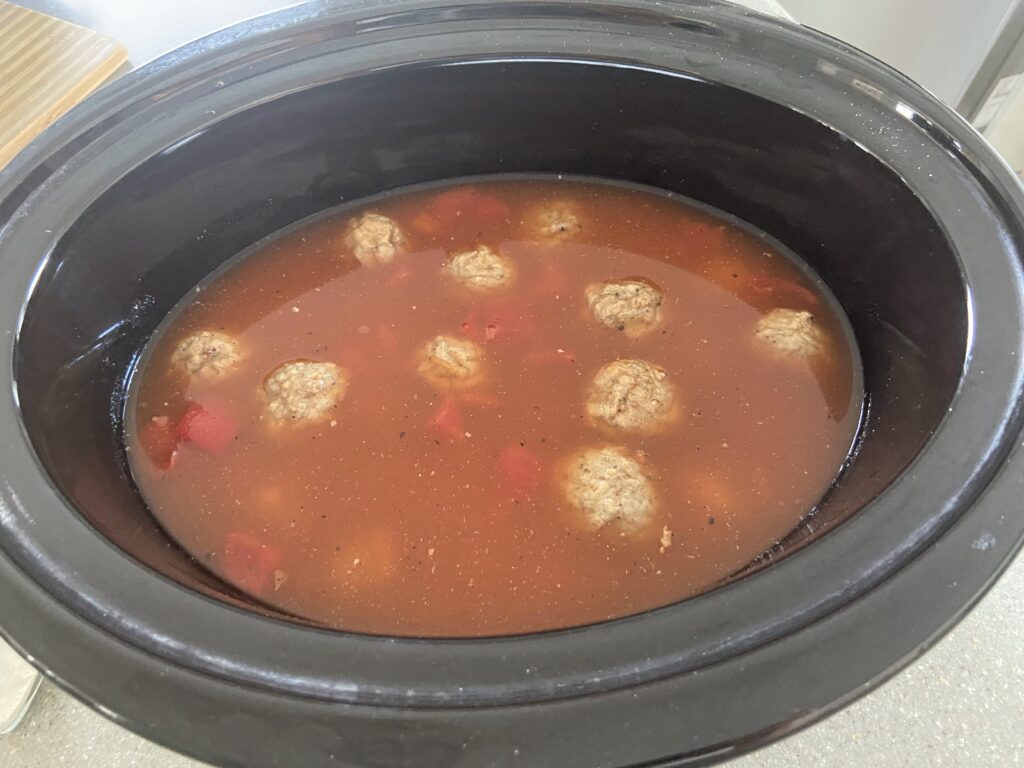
(424, 511)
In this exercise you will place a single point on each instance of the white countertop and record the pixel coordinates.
(961, 705)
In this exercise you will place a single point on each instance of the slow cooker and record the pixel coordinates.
(110, 217)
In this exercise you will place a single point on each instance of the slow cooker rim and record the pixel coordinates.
(82, 117)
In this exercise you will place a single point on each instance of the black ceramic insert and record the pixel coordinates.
(167, 223)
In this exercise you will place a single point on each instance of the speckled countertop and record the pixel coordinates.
(961, 705)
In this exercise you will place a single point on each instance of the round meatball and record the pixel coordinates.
(449, 361)
(632, 395)
(481, 269)
(791, 332)
(609, 487)
(559, 220)
(374, 239)
(629, 305)
(304, 390)
(206, 354)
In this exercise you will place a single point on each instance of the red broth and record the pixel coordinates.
(446, 507)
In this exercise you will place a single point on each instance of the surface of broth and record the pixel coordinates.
(422, 509)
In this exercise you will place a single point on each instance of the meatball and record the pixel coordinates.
(791, 332)
(481, 269)
(559, 220)
(206, 354)
(632, 395)
(610, 487)
(629, 305)
(374, 239)
(451, 362)
(304, 390)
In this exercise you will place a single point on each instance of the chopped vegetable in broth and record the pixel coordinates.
(494, 407)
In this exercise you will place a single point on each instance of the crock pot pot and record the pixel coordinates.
(117, 211)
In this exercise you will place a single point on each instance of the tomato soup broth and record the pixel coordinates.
(494, 408)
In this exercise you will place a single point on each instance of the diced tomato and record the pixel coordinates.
(181, 429)
(520, 470)
(426, 224)
(369, 557)
(709, 234)
(210, 427)
(443, 210)
(452, 202)
(250, 564)
(490, 208)
(159, 441)
(447, 421)
(496, 320)
(767, 285)
(268, 497)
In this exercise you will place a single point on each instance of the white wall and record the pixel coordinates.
(939, 43)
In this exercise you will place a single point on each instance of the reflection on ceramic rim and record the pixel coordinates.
(873, 592)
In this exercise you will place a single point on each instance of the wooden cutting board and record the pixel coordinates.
(46, 67)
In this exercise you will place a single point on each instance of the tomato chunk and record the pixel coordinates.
(250, 564)
(789, 290)
(159, 441)
(520, 470)
(426, 224)
(441, 212)
(451, 203)
(491, 208)
(211, 427)
(447, 421)
(369, 557)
